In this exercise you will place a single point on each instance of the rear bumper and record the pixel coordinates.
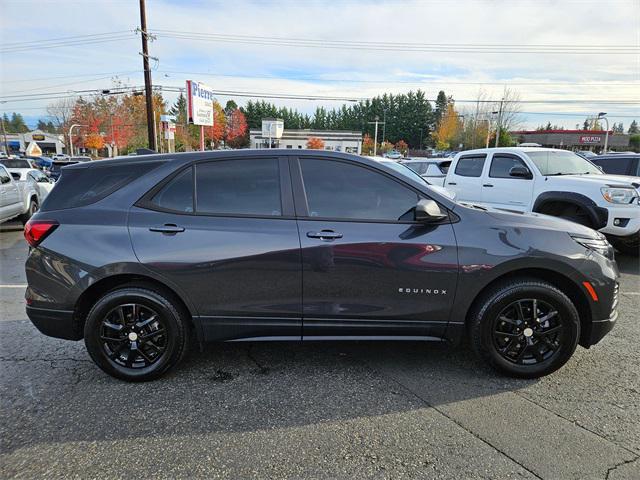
(54, 323)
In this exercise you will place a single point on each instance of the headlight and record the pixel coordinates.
(600, 245)
(618, 194)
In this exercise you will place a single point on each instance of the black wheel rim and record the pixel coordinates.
(133, 336)
(528, 332)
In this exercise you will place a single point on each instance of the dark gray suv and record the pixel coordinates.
(138, 255)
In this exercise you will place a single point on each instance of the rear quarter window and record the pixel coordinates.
(83, 186)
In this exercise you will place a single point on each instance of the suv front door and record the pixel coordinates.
(223, 231)
(368, 268)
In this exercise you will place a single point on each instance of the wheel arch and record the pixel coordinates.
(561, 281)
(598, 216)
(91, 294)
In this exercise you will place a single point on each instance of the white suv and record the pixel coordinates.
(553, 182)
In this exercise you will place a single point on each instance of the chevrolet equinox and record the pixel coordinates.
(138, 255)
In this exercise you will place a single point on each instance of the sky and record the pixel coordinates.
(222, 43)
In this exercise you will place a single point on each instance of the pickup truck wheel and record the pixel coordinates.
(136, 334)
(525, 328)
(33, 208)
(576, 215)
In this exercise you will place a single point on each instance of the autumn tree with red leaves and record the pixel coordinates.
(315, 143)
(236, 136)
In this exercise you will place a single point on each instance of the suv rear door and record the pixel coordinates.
(368, 268)
(223, 231)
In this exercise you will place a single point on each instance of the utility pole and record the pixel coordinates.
(475, 124)
(147, 78)
(603, 115)
(499, 121)
(375, 135)
(4, 134)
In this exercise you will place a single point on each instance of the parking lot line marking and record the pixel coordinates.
(630, 293)
(15, 285)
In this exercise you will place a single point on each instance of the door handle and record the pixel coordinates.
(169, 228)
(324, 235)
(451, 183)
(487, 185)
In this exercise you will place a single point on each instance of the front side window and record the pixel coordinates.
(4, 176)
(470, 166)
(242, 187)
(501, 165)
(343, 191)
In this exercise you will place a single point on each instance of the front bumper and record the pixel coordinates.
(600, 328)
(628, 214)
(54, 323)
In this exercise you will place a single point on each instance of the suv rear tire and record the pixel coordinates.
(512, 338)
(136, 334)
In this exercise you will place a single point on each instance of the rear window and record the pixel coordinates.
(14, 163)
(614, 166)
(84, 186)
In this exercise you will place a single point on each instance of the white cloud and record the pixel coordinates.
(471, 22)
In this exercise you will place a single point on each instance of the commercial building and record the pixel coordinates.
(574, 139)
(49, 143)
(336, 140)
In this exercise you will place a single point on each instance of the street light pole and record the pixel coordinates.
(71, 138)
(375, 135)
(499, 121)
(603, 115)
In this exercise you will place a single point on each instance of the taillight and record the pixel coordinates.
(35, 231)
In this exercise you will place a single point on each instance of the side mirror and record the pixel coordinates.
(520, 172)
(428, 211)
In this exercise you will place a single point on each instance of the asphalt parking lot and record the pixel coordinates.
(325, 410)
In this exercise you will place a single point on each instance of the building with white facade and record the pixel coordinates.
(336, 140)
(49, 143)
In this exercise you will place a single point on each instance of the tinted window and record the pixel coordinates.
(339, 190)
(84, 186)
(615, 166)
(470, 166)
(246, 187)
(501, 165)
(15, 163)
(177, 195)
(4, 176)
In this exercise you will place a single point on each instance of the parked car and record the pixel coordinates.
(42, 162)
(80, 159)
(393, 154)
(54, 171)
(553, 182)
(588, 154)
(434, 170)
(17, 198)
(20, 163)
(297, 245)
(619, 164)
(405, 170)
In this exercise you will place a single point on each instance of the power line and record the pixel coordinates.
(398, 46)
(57, 39)
(66, 44)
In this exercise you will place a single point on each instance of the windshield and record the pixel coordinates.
(406, 171)
(556, 162)
(15, 163)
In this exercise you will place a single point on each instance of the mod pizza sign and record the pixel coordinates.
(199, 103)
(590, 139)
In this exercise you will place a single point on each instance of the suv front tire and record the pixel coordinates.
(525, 328)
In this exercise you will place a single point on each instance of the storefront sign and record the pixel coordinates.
(37, 137)
(199, 103)
(590, 139)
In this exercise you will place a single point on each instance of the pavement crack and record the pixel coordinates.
(262, 370)
(449, 417)
(577, 424)
(618, 465)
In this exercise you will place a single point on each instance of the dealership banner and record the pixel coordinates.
(199, 103)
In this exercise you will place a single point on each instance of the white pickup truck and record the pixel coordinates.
(553, 182)
(17, 198)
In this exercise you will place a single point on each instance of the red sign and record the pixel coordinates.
(590, 139)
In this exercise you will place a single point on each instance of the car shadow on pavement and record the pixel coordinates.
(57, 395)
(628, 264)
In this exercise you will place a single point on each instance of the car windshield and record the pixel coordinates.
(15, 163)
(551, 162)
(418, 167)
(406, 171)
